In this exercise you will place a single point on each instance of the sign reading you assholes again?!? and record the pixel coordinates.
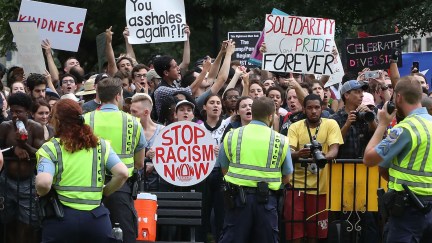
(299, 44)
(155, 21)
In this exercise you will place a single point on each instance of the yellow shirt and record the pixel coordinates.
(328, 134)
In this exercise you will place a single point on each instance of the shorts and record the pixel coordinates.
(301, 212)
(18, 200)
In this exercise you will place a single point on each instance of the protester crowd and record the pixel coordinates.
(215, 92)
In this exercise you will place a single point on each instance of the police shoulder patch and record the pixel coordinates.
(394, 134)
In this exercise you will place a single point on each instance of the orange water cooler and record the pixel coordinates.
(146, 206)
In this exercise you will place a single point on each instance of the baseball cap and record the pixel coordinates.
(152, 74)
(50, 92)
(353, 84)
(368, 99)
(99, 77)
(184, 102)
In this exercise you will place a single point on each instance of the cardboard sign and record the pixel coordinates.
(371, 52)
(100, 45)
(299, 44)
(338, 72)
(29, 46)
(245, 45)
(184, 153)
(155, 21)
(256, 55)
(61, 25)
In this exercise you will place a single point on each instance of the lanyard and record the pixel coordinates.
(316, 131)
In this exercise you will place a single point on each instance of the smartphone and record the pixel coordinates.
(371, 74)
(416, 65)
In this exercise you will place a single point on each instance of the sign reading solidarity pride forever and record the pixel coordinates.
(184, 153)
(155, 21)
(299, 44)
(61, 25)
(371, 52)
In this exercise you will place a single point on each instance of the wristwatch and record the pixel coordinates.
(384, 87)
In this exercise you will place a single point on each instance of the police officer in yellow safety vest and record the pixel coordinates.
(73, 163)
(405, 159)
(255, 160)
(126, 136)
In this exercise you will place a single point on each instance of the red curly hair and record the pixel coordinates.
(70, 128)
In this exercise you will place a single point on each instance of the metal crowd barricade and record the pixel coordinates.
(351, 193)
(11, 200)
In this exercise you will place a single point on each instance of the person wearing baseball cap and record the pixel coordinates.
(184, 110)
(153, 80)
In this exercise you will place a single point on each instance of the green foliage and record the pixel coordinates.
(210, 20)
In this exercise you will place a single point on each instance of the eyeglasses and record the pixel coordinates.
(140, 75)
(66, 81)
(232, 97)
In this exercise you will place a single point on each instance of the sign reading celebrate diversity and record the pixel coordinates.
(184, 153)
(299, 44)
(155, 21)
(371, 52)
(61, 25)
(29, 48)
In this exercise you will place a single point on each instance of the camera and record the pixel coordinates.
(316, 153)
(391, 107)
(366, 116)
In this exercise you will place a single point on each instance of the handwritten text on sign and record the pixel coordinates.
(155, 21)
(184, 153)
(62, 25)
(299, 44)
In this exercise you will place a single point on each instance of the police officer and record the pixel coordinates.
(406, 157)
(255, 160)
(74, 164)
(127, 139)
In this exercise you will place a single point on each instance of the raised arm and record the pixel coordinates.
(109, 52)
(240, 70)
(49, 81)
(197, 83)
(301, 94)
(46, 45)
(223, 73)
(186, 52)
(129, 49)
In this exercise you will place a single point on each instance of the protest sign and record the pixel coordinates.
(61, 25)
(256, 55)
(29, 46)
(299, 44)
(245, 44)
(338, 72)
(425, 64)
(100, 45)
(184, 153)
(155, 21)
(371, 52)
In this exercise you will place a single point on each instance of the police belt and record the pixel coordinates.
(129, 181)
(421, 197)
(248, 190)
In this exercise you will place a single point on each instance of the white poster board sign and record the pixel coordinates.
(338, 72)
(299, 44)
(29, 47)
(184, 153)
(61, 25)
(155, 21)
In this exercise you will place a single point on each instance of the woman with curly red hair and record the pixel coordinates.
(72, 167)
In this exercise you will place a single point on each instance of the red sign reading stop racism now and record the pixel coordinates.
(184, 153)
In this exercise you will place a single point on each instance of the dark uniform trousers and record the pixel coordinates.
(78, 226)
(122, 211)
(412, 226)
(251, 222)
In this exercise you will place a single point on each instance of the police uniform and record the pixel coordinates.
(407, 153)
(126, 136)
(78, 180)
(253, 154)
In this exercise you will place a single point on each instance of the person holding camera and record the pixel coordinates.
(318, 140)
(254, 168)
(405, 157)
(356, 121)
